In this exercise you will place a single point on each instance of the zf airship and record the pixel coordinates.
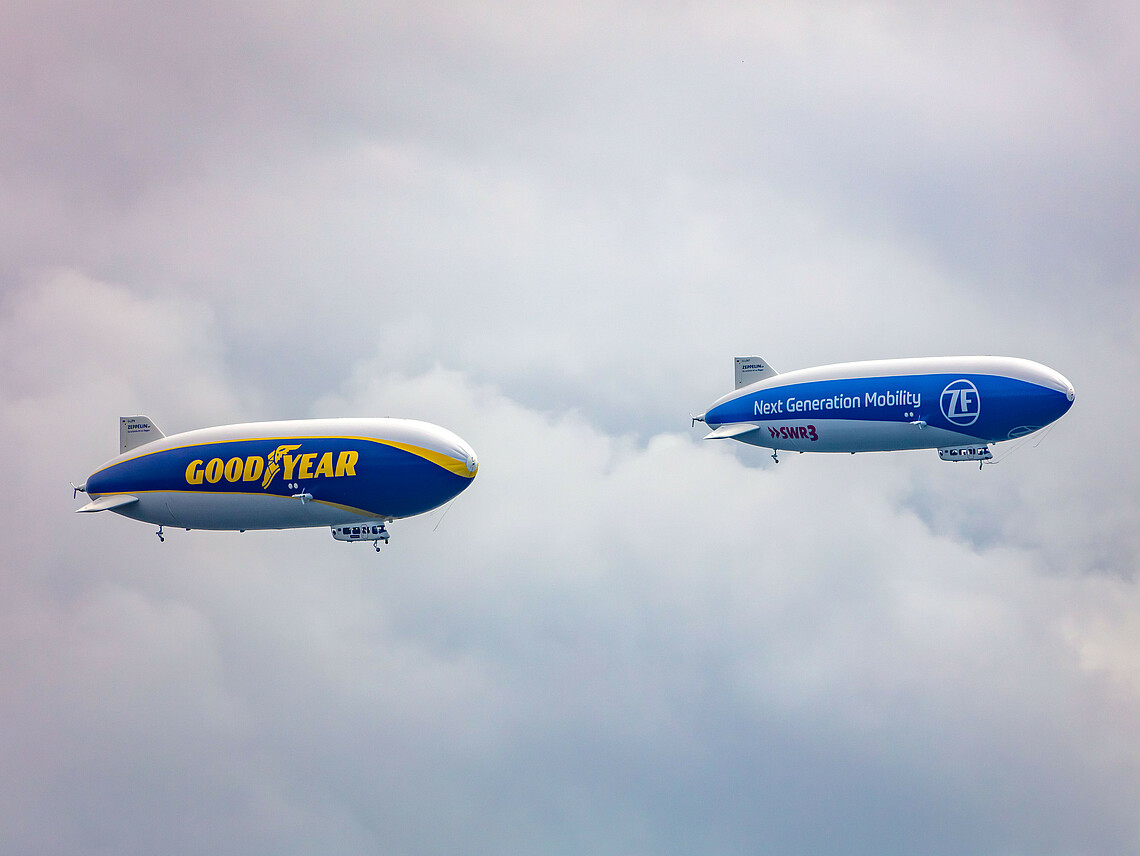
(352, 475)
(957, 405)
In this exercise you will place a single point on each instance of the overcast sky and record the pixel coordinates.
(550, 228)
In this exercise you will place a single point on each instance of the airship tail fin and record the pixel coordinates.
(106, 503)
(751, 369)
(135, 431)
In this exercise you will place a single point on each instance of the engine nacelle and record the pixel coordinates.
(966, 453)
(370, 531)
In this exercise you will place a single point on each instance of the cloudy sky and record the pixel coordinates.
(549, 228)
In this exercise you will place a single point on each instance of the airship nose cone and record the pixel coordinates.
(1052, 379)
(1064, 385)
(472, 461)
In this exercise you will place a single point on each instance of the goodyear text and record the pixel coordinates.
(304, 466)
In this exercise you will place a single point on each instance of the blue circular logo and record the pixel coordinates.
(961, 404)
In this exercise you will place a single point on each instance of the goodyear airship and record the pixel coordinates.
(352, 475)
(957, 405)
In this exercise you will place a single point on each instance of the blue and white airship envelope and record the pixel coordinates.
(352, 475)
(958, 405)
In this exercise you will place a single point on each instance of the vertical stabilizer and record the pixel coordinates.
(751, 369)
(134, 431)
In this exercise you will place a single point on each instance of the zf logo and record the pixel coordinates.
(961, 403)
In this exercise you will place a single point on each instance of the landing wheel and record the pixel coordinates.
(159, 534)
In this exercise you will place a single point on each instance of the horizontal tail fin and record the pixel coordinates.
(751, 369)
(736, 429)
(106, 503)
(135, 431)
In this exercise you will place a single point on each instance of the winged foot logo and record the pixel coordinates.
(273, 460)
(280, 460)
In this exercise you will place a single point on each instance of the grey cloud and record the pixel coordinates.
(549, 230)
(508, 197)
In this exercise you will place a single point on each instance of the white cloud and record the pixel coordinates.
(604, 641)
